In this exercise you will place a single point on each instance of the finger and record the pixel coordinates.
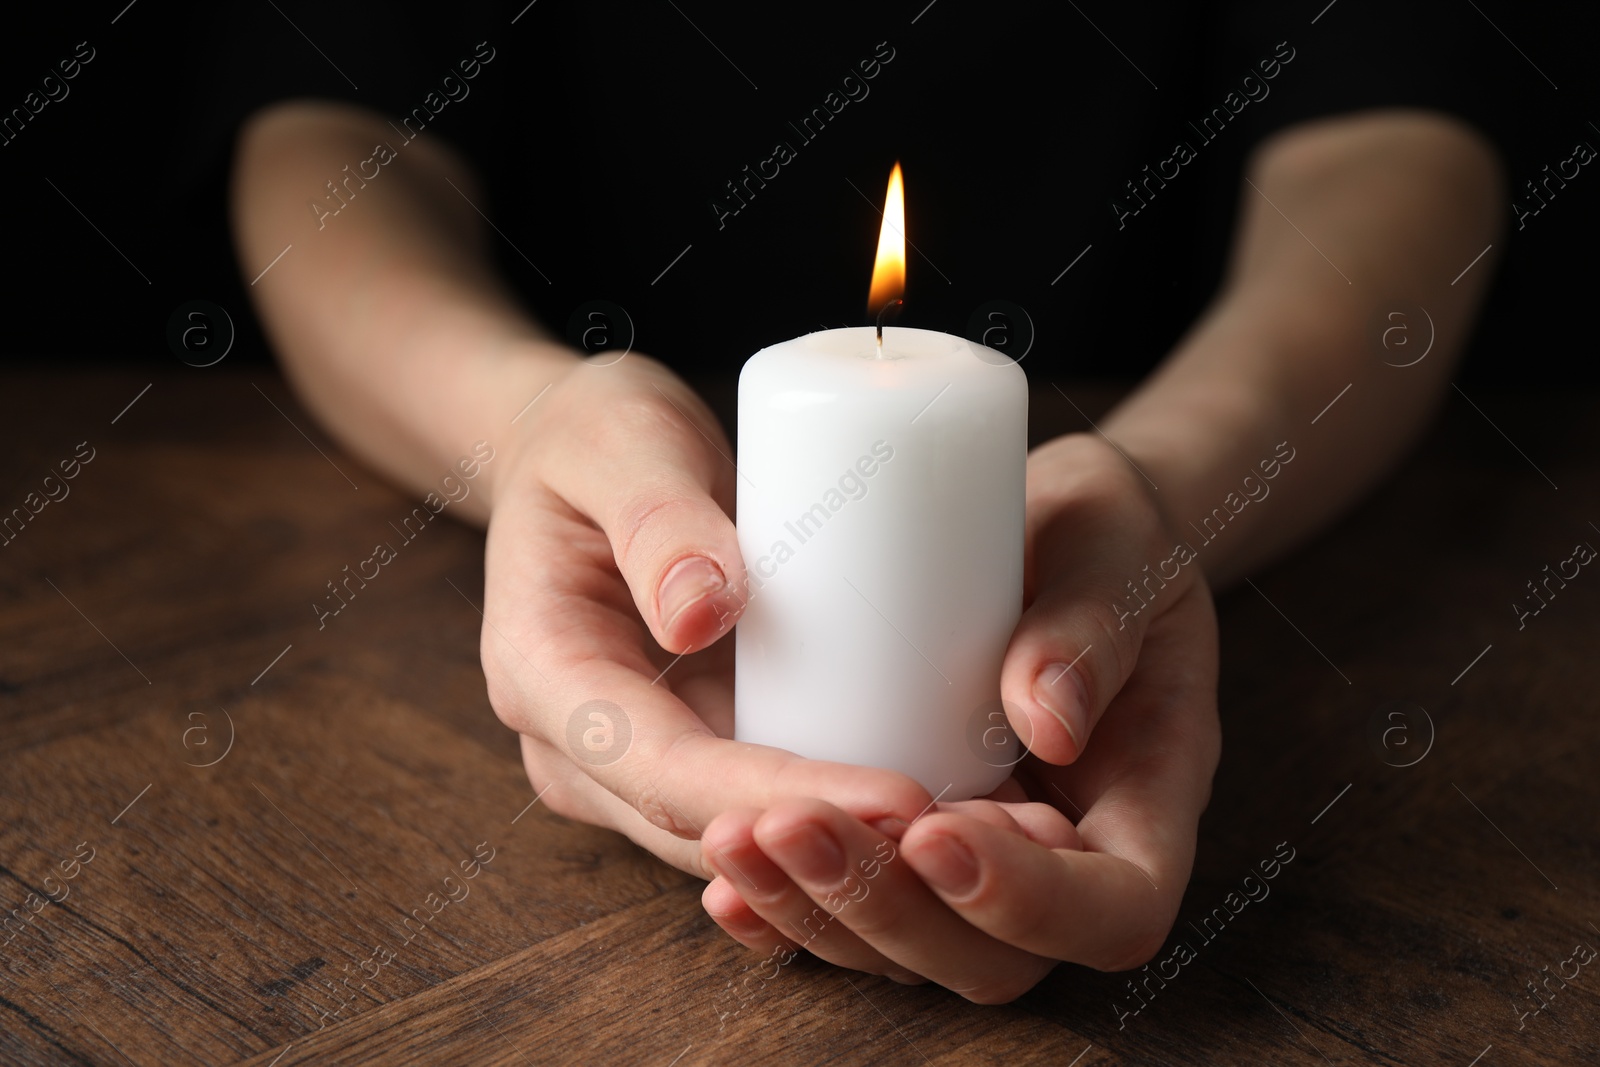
(650, 475)
(988, 811)
(1077, 643)
(1092, 908)
(1003, 814)
(1043, 824)
(850, 871)
(770, 893)
(738, 919)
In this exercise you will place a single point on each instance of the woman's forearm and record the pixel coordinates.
(386, 315)
(1342, 222)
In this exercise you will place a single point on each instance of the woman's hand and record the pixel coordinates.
(1082, 856)
(611, 571)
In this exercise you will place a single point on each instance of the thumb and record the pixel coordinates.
(651, 483)
(1075, 647)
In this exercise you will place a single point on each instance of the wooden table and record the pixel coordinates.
(159, 613)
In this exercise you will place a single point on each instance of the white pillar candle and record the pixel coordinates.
(880, 515)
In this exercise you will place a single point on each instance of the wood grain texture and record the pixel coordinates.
(222, 907)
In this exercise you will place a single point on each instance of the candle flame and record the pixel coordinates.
(889, 269)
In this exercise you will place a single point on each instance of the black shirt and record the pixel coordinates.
(717, 170)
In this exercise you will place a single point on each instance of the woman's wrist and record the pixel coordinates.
(1195, 458)
(1199, 437)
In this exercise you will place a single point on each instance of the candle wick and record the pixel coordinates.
(897, 302)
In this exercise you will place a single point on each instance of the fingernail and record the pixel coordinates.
(757, 873)
(812, 854)
(946, 864)
(1059, 690)
(747, 923)
(689, 581)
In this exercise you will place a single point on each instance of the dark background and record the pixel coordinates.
(604, 130)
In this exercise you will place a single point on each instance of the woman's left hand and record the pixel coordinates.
(1085, 853)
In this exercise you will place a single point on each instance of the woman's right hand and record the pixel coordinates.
(613, 575)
